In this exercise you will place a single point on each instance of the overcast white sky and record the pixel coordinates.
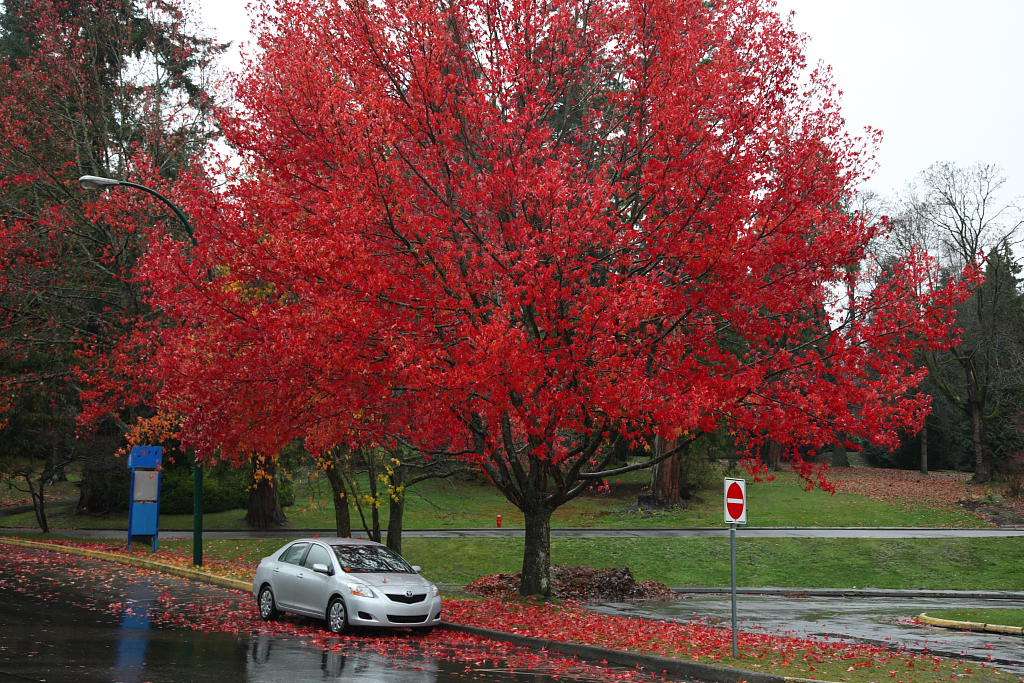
(944, 79)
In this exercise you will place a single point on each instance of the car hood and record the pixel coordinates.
(396, 581)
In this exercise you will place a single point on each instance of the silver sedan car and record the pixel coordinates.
(345, 582)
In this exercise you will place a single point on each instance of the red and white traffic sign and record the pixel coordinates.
(735, 501)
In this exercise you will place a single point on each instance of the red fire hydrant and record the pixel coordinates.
(498, 520)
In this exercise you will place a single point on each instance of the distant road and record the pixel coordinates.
(781, 532)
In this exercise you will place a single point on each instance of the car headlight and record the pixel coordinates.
(433, 591)
(361, 590)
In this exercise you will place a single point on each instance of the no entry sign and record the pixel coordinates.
(735, 501)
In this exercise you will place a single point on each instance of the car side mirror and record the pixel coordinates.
(417, 569)
(322, 569)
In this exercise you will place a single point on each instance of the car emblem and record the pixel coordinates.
(408, 594)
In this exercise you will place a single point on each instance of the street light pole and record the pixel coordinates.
(92, 182)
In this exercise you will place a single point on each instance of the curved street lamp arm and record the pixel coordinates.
(93, 182)
(173, 207)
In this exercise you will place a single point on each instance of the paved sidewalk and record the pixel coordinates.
(781, 532)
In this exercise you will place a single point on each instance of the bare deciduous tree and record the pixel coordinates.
(956, 213)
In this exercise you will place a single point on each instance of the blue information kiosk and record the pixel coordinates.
(144, 510)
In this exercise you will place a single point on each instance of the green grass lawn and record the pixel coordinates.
(952, 564)
(449, 504)
(1003, 617)
(897, 670)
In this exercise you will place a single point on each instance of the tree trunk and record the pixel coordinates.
(396, 508)
(536, 576)
(771, 455)
(342, 516)
(840, 458)
(38, 502)
(621, 450)
(665, 482)
(924, 449)
(395, 511)
(39, 505)
(982, 464)
(264, 506)
(371, 470)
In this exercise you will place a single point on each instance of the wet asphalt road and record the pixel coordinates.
(881, 620)
(48, 632)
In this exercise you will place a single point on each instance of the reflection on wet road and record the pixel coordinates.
(883, 620)
(89, 621)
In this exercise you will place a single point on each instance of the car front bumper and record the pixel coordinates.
(383, 612)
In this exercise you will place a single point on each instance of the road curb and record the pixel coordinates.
(141, 562)
(654, 663)
(857, 593)
(707, 672)
(970, 625)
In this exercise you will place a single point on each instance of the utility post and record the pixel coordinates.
(92, 182)
(197, 514)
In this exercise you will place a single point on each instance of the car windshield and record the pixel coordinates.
(370, 559)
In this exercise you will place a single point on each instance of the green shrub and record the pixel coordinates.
(224, 488)
(285, 491)
(104, 487)
(699, 468)
(1013, 473)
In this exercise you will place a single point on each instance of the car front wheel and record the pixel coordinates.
(267, 604)
(336, 618)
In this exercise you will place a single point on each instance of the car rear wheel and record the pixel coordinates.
(337, 619)
(267, 604)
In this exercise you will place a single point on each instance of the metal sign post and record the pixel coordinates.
(732, 555)
(735, 495)
(197, 514)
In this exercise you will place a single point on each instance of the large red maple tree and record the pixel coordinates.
(517, 231)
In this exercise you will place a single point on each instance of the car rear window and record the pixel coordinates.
(367, 559)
